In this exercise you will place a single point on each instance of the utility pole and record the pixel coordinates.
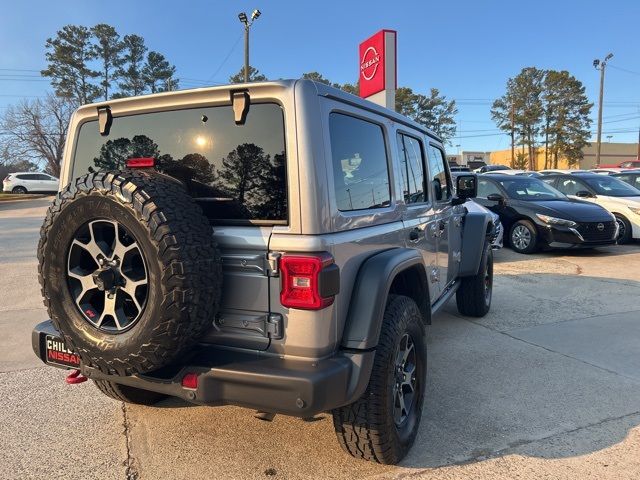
(600, 65)
(247, 25)
(513, 137)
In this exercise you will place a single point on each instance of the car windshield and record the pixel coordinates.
(612, 187)
(527, 188)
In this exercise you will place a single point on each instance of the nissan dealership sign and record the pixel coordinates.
(378, 80)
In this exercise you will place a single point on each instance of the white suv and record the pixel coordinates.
(27, 182)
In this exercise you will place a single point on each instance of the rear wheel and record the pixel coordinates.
(624, 229)
(523, 237)
(19, 190)
(124, 393)
(473, 298)
(382, 425)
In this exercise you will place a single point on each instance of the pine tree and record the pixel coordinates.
(158, 73)
(68, 56)
(254, 76)
(108, 50)
(436, 113)
(130, 73)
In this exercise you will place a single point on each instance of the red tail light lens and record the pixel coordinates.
(141, 162)
(301, 281)
(190, 380)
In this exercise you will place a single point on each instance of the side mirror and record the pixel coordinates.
(496, 197)
(584, 194)
(466, 187)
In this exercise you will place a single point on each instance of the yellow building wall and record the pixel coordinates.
(503, 157)
(610, 154)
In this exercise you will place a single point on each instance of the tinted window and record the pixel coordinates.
(235, 172)
(412, 166)
(438, 174)
(526, 188)
(486, 188)
(569, 186)
(360, 171)
(610, 186)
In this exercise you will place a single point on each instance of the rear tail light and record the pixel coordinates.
(309, 282)
(141, 162)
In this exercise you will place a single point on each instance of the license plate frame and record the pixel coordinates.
(57, 353)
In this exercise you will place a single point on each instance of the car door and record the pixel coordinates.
(445, 230)
(418, 219)
(31, 182)
(506, 211)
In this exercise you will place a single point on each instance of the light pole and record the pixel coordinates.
(600, 65)
(247, 25)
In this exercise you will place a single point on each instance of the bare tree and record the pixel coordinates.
(35, 131)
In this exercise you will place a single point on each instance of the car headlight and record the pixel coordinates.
(556, 221)
(635, 210)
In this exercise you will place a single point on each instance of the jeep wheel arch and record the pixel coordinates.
(474, 234)
(373, 284)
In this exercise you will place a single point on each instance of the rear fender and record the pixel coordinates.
(372, 287)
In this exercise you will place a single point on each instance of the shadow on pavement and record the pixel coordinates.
(554, 390)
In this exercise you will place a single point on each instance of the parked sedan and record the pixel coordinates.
(618, 197)
(535, 215)
(28, 182)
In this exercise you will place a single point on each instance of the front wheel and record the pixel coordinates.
(473, 297)
(523, 237)
(382, 425)
(624, 229)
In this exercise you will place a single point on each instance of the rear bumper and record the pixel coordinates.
(249, 379)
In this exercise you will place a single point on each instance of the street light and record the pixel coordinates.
(247, 25)
(600, 65)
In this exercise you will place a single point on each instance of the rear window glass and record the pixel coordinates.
(361, 175)
(235, 172)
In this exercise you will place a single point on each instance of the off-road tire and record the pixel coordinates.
(127, 394)
(473, 298)
(626, 229)
(366, 428)
(19, 190)
(184, 270)
(533, 244)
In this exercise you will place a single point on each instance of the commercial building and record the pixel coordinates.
(610, 153)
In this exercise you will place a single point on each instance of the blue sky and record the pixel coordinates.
(467, 49)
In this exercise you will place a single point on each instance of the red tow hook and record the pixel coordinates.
(75, 377)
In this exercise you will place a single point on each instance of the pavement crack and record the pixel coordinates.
(130, 471)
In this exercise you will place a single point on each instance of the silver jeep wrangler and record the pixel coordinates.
(279, 246)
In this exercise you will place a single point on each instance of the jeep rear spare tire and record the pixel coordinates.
(129, 270)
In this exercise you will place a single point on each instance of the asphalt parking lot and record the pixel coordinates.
(546, 386)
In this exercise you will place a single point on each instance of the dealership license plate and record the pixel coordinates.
(58, 353)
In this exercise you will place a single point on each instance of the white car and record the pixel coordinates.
(521, 173)
(608, 171)
(620, 198)
(30, 182)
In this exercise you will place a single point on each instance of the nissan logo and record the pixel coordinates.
(600, 227)
(369, 63)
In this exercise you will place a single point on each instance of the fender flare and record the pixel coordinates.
(474, 236)
(369, 297)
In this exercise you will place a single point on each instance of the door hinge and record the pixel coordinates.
(273, 263)
(273, 326)
(457, 256)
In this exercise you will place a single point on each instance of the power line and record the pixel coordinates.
(226, 58)
(624, 70)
